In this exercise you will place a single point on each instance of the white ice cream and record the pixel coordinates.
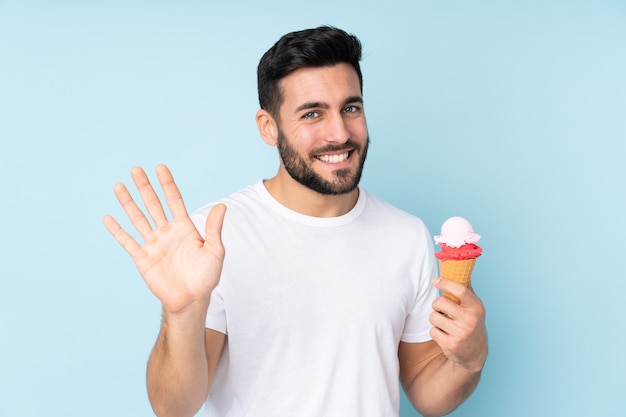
(456, 232)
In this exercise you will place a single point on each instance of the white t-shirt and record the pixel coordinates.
(314, 308)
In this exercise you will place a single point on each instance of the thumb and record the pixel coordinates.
(214, 222)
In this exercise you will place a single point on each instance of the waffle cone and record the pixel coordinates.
(457, 271)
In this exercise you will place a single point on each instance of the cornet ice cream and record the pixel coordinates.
(458, 251)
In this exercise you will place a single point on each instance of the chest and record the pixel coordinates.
(297, 283)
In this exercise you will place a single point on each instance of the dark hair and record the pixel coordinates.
(319, 47)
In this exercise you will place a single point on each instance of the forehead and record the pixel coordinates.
(327, 85)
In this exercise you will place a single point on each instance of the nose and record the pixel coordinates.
(337, 130)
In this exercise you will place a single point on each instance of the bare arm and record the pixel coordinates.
(439, 375)
(181, 367)
(181, 269)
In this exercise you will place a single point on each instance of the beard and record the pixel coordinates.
(301, 170)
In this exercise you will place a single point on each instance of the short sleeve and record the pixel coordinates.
(417, 325)
(216, 314)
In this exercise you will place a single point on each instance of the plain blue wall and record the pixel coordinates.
(512, 114)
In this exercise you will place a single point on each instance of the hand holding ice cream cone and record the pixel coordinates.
(458, 251)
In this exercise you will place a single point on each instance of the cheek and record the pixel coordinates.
(358, 129)
(306, 137)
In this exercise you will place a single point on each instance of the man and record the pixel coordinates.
(310, 297)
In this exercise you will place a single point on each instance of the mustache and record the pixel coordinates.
(331, 147)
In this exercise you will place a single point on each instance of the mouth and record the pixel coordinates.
(335, 158)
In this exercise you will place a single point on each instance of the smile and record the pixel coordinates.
(333, 159)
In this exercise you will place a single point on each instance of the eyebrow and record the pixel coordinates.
(322, 105)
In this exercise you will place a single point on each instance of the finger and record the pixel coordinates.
(437, 319)
(148, 195)
(214, 223)
(451, 288)
(439, 336)
(133, 212)
(172, 194)
(442, 320)
(123, 238)
(449, 344)
(446, 307)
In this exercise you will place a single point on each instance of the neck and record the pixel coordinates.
(303, 200)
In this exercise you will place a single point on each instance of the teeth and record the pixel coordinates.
(333, 159)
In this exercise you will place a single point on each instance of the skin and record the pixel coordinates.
(181, 269)
(322, 109)
(440, 374)
(321, 118)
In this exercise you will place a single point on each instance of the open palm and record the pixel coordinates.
(179, 266)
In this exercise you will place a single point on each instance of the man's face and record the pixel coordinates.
(322, 135)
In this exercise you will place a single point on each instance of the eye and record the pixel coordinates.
(310, 115)
(351, 109)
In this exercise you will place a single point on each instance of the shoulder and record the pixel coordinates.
(386, 213)
(236, 204)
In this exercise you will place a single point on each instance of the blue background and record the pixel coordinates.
(512, 114)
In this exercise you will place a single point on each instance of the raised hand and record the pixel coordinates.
(179, 266)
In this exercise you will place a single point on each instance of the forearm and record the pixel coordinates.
(177, 373)
(441, 387)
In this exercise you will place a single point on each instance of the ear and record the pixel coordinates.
(267, 126)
